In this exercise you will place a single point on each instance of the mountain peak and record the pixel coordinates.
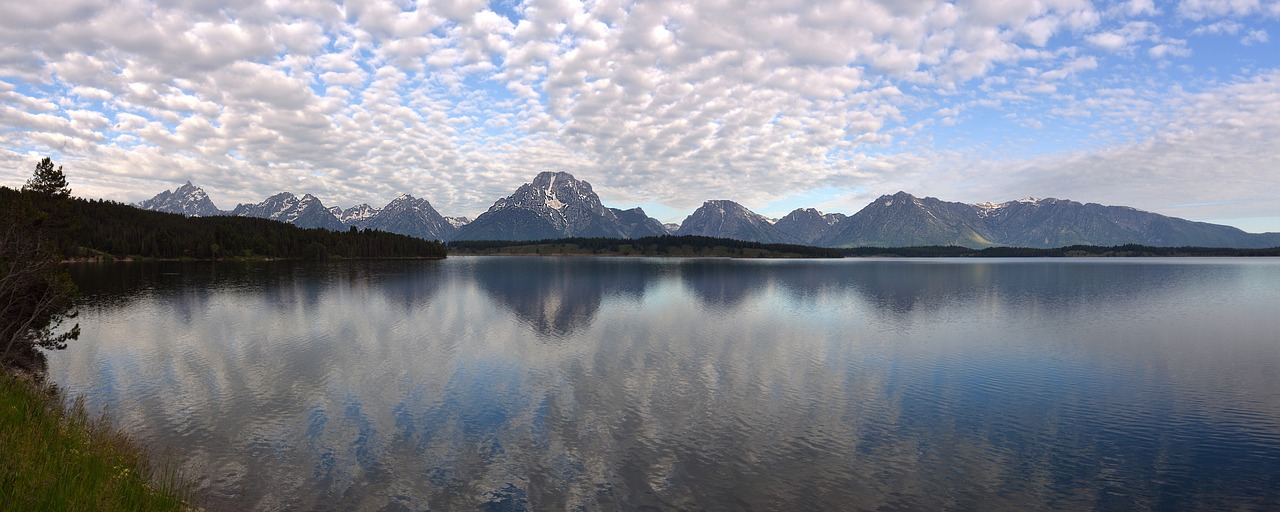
(307, 212)
(188, 200)
(637, 224)
(406, 215)
(546, 177)
(808, 224)
(727, 219)
(553, 205)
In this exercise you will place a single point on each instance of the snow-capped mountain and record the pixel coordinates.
(727, 219)
(408, 215)
(553, 205)
(458, 222)
(305, 212)
(671, 228)
(358, 215)
(188, 200)
(808, 225)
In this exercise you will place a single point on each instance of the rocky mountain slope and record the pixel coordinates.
(639, 225)
(553, 205)
(903, 220)
(304, 212)
(408, 215)
(808, 225)
(727, 219)
(188, 200)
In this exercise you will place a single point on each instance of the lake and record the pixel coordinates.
(510, 383)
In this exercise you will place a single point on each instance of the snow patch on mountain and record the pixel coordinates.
(188, 200)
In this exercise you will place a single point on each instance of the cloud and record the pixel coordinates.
(1202, 9)
(663, 101)
(1219, 28)
(1255, 37)
(1207, 147)
(1140, 8)
(1124, 38)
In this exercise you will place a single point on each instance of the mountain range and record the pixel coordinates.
(557, 205)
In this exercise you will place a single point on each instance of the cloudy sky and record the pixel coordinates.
(1172, 107)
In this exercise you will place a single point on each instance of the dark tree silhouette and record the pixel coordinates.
(36, 293)
(48, 181)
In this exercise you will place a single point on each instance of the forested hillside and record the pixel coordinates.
(80, 228)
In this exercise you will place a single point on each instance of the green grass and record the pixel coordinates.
(54, 456)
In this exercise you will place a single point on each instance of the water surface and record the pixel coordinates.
(652, 384)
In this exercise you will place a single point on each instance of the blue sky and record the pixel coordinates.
(1172, 107)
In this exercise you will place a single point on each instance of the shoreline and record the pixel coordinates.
(77, 261)
(57, 452)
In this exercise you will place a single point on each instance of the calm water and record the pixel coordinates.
(644, 384)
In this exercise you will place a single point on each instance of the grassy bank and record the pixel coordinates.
(55, 456)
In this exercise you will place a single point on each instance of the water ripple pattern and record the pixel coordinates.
(671, 384)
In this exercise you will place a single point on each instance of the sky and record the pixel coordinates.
(1171, 107)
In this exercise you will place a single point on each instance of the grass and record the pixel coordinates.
(54, 456)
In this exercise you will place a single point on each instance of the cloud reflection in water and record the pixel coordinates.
(554, 383)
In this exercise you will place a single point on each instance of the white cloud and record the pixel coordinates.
(661, 101)
(1077, 65)
(1255, 37)
(1140, 8)
(1218, 28)
(1124, 38)
(1202, 9)
(1172, 48)
(1212, 146)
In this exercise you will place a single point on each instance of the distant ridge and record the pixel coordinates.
(903, 220)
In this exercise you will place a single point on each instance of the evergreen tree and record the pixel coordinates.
(48, 181)
(36, 293)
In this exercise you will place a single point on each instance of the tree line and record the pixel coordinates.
(663, 245)
(1128, 250)
(81, 228)
(44, 225)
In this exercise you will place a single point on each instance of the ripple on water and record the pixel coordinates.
(554, 384)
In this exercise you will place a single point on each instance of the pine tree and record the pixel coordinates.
(48, 181)
(36, 292)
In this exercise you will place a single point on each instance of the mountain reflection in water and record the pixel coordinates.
(625, 384)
